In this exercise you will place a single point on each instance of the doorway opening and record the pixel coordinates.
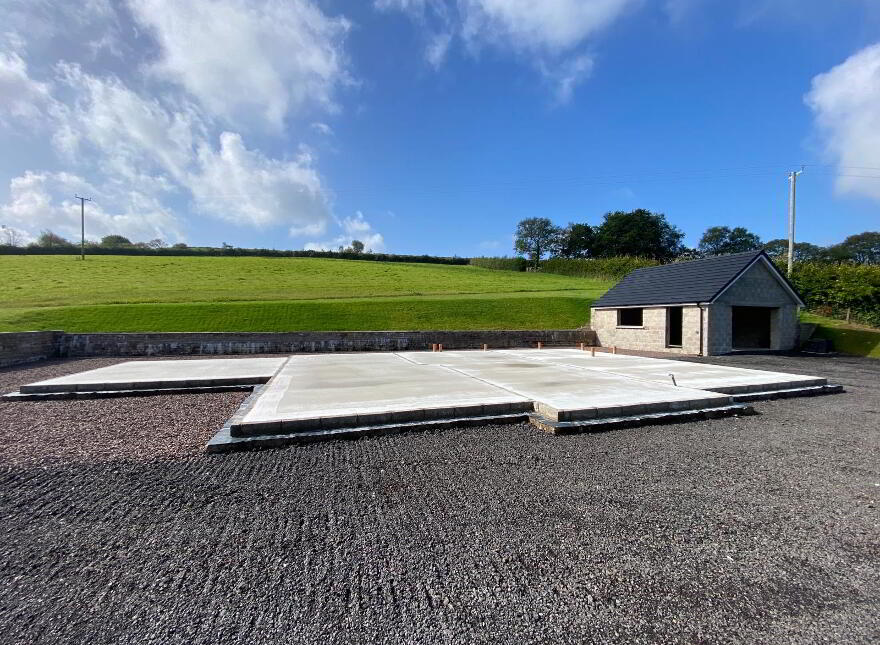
(751, 327)
(674, 322)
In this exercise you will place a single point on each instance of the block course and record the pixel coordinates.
(22, 347)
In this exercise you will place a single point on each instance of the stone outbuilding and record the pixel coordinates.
(711, 306)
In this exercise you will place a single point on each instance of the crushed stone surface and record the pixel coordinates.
(116, 528)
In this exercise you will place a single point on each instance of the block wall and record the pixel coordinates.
(29, 346)
(651, 336)
(171, 344)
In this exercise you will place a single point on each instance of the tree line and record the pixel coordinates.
(50, 240)
(642, 233)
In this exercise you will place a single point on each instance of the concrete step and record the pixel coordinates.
(815, 390)
(224, 441)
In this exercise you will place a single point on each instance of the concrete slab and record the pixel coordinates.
(703, 376)
(314, 392)
(566, 393)
(153, 375)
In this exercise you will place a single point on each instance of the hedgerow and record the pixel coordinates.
(502, 264)
(599, 268)
(832, 289)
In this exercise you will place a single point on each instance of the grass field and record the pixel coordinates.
(849, 339)
(129, 293)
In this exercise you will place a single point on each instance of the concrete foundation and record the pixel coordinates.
(314, 397)
(152, 375)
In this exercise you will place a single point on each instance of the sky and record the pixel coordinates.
(434, 126)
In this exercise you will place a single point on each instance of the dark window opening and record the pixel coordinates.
(629, 317)
(751, 327)
(674, 320)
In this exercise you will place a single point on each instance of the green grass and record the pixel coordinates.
(52, 281)
(849, 339)
(126, 293)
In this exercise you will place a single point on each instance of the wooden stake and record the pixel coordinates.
(614, 349)
(582, 347)
(593, 350)
(485, 347)
(540, 345)
(440, 347)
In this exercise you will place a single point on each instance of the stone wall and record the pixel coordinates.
(29, 346)
(173, 344)
(651, 336)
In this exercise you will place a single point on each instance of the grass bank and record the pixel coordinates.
(124, 293)
(857, 340)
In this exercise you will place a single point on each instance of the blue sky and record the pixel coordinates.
(431, 126)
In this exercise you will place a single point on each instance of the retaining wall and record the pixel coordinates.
(64, 345)
(29, 346)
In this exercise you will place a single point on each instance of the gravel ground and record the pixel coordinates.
(764, 529)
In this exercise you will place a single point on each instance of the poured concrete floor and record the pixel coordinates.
(320, 392)
(148, 375)
(325, 393)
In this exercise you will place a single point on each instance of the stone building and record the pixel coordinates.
(710, 306)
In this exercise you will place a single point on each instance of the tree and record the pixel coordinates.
(803, 251)
(48, 239)
(179, 245)
(638, 233)
(687, 254)
(863, 248)
(357, 246)
(156, 244)
(12, 236)
(535, 237)
(577, 241)
(718, 240)
(115, 241)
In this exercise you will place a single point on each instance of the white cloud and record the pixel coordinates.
(131, 133)
(550, 25)
(438, 47)
(149, 147)
(163, 104)
(244, 186)
(248, 58)
(565, 76)
(21, 97)
(846, 104)
(549, 35)
(322, 128)
(352, 228)
(40, 201)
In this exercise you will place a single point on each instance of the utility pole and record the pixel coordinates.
(82, 223)
(792, 188)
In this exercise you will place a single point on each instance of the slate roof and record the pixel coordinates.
(681, 282)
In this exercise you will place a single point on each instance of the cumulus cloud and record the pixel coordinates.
(44, 200)
(550, 35)
(236, 184)
(352, 228)
(156, 127)
(247, 58)
(846, 105)
(129, 132)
